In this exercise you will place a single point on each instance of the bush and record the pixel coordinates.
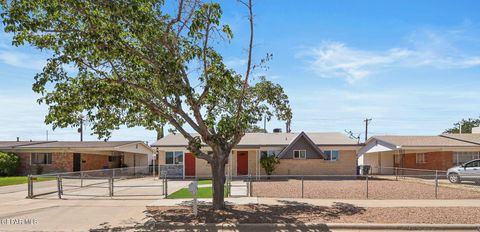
(9, 164)
(268, 163)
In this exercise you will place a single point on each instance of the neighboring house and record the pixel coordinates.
(299, 153)
(61, 156)
(418, 152)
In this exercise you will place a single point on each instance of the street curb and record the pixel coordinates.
(321, 226)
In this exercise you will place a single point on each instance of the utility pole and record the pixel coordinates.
(47, 134)
(265, 124)
(367, 120)
(80, 130)
(461, 125)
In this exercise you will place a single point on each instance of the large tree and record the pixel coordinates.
(140, 63)
(466, 124)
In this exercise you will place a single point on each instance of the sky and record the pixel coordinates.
(413, 67)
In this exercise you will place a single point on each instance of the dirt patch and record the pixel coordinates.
(356, 189)
(305, 213)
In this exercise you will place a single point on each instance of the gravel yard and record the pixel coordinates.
(305, 213)
(356, 189)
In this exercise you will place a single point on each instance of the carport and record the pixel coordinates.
(384, 153)
(73, 156)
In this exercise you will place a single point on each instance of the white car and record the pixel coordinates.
(468, 171)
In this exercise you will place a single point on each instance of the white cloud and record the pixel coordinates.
(426, 48)
(21, 60)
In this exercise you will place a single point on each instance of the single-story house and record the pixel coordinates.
(384, 153)
(299, 154)
(71, 156)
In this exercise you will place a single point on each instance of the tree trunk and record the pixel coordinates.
(218, 179)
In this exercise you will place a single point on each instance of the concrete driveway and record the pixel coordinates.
(80, 209)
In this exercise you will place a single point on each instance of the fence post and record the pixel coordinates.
(436, 184)
(367, 186)
(166, 186)
(113, 186)
(110, 187)
(302, 186)
(30, 186)
(249, 186)
(113, 173)
(59, 188)
(396, 173)
(81, 179)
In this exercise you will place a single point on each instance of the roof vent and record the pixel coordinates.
(277, 130)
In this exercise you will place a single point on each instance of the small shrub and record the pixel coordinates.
(9, 164)
(268, 163)
(39, 169)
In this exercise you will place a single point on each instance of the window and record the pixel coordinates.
(463, 157)
(332, 155)
(268, 153)
(474, 164)
(300, 154)
(174, 157)
(41, 158)
(112, 158)
(420, 158)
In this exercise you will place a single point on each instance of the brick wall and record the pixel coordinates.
(61, 162)
(94, 162)
(434, 161)
(346, 165)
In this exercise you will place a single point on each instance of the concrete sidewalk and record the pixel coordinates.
(327, 202)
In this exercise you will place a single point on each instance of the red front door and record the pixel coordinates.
(242, 163)
(189, 164)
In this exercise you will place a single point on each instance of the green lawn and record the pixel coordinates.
(204, 192)
(204, 181)
(12, 180)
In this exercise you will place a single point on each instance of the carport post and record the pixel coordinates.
(113, 173)
(436, 184)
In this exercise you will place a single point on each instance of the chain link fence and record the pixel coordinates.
(99, 183)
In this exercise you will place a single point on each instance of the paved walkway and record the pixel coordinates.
(327, 202)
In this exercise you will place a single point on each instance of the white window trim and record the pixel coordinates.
(424, 159)
(305, 151)
(183, 158)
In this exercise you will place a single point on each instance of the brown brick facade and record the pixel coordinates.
(62, 162)
(433, 161)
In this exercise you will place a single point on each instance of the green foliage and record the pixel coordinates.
(13, 180)
(136, 63)
(467, 125)
(203, 192)
(9, 164)
(142, 63)
(256, 129)
(269, 163)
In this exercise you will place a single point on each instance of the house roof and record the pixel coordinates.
(11, 144)
(309, 141)
(471, 138)
(267, 139)
(421, 141)
(70, 145)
